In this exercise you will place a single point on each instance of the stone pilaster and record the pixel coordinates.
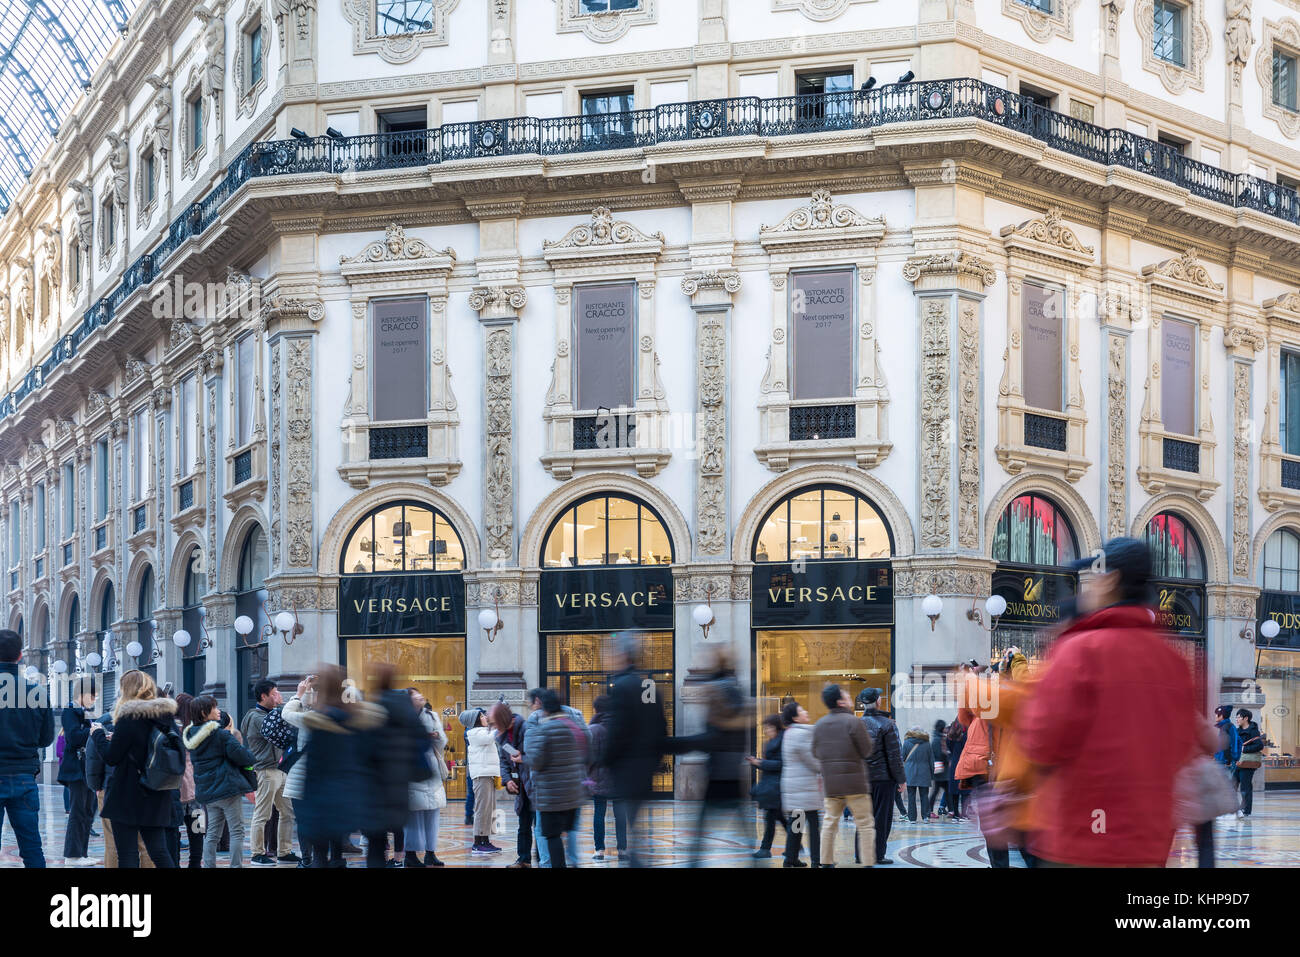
(1116, 329)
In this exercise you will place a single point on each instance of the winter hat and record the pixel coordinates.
(469, 719)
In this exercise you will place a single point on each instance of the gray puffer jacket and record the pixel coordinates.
(801, 781)
(557, 750)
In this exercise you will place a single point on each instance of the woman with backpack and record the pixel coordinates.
(219, 779)
(135, 810)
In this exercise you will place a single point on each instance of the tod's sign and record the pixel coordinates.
(385, 606)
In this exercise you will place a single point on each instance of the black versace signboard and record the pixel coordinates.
(1180, 607)
(388, 606)
(816, 594)
(632, 598)
(1034, 596)
(1283, 608)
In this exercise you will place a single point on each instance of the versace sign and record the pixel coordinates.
(388, 606)
(634, 598)
(822, 594)
(1034, 597)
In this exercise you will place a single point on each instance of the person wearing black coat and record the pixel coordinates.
(393, 763)
(938, 754)
(768, 790)
(72, 775)
(956, 740)
(884, 767)
(135, 810)
(1252, 744)
(219, 782)
(636, 741)
(510, 731)
(23, 732)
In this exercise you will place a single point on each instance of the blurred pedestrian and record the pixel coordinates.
(557, 755)
(484, 766)
(335, 786)
(136, 811)
(23, 732)
(1229, 738)
(600, 784)
(535, 715)
(939, 771)
(295, 778)
(76, 721)
(884, 770)
(955, 738)
(1250, 758)
(767, 793)
(395, 759)
(801, 786)
(636, 744)
(1203, 791)
(842, 746)
(918, 770)
(220, 763)
(514, 773)
(427, 797)
(1079, 724)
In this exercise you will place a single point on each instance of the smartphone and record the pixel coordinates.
(510, 750)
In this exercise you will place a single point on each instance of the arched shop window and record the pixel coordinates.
(144, 627)
(41, 641)
(607, 530)
(252, 663)
(823, 522)
(194, 662)
(1175, 550)
(1034, 546)
(402, 536)
(1280, 569)
(1033, 531)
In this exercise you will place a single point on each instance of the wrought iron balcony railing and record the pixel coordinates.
(1044, 432)
(823, 422)
(915, 102)
(1291, 473)
(399, 442)
(1183, 456)
(186, 496)
(605, 431)
(243, 466)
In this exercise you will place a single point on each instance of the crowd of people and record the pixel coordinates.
(1046, 763)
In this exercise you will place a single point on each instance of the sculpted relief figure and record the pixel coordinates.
(1113, 9)
(1240, 38)
(118, 159)
(84, 205)
(214, 60)
(161, 127)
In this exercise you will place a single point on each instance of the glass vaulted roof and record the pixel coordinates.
(49, 50)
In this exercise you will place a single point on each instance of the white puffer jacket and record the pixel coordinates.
(293, 712)
(430, 795)
(801, 782)
(484, 762)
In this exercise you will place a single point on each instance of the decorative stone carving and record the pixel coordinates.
(1284, 33)
(1239, 38)
(1241, 469)
(1042, 25)
(1177, 78)
(820, 213)
(280, 307)
(398, 47)
(118, 162)
(396, 246)
(498, 298)
(1185, 269)
(968, 436)
(603, 27)
(936, 424)
(818, 10)
(962, 263)
(214, 58)
(246, 93)
(1117, 437)
(277, 559)
(299, 548)
(84, 204)
(1049, 230)
(727, 281)
(711, 374)
(603, 230)
(160, 129)
(498, 484)
(51, 269)
(134, 369)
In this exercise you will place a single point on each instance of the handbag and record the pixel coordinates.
(250, 778)
(939, 767)
(1250, 760)
(1202, 792)
(998, 807)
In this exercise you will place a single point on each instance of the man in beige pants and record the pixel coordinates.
(841, 745)
(270, 780)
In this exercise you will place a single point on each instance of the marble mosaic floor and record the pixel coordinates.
(1270, 837)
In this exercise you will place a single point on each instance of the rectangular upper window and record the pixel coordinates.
(604, 346)
(399, 360)
(255, 39)
(108, 217)
(140, 455)
(1044, 5)
(403, 16)
(605, 114)
(1168, 37)
(15, 532)
(1042, 319)
(69, 499)
(38, 518)
(186, 407)
(607, 6)
(1289, 404)
(821, 339)
(101, 480)
(1178, 376)
(1284, 79)
(195, 107)
(244, 359)
(150, 173)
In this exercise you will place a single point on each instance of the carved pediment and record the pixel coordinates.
(604, 234)
(396, 246)
(135, 369)
(1185, 272)
(179, 333)
(822, 221)
(1285, 306)
(1048, 234)
(96, 401)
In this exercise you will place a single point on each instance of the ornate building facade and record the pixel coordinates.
(466, 334)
